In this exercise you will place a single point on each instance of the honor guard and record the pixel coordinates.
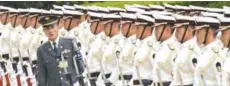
(207, 68)
(123, 71)
(94, 57)
(59, 60)
(166, 51)
(142, 72)
(225, 38)
(6, 56)
(183, 71)
(13, 45)
(112, 46)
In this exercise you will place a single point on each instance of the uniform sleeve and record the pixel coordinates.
(78, 59)
(41, 70)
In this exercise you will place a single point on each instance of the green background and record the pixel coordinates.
(48, 4)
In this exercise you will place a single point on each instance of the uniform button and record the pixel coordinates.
(59, 71)
(61, 78)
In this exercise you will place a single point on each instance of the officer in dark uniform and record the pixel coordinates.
(59, 60)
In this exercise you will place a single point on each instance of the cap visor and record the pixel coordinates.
(158, 24)
(200, 27)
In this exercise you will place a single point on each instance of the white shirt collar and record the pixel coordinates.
(189, 42)
(57, 42)
(216, 42)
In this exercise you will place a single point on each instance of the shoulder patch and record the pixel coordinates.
(150, 44)
(216, 49)
(171, 46)
(191, 47)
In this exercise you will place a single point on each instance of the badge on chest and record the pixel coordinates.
(63, 63)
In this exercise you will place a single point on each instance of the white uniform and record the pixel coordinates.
(183, 72)
(96, 53)
(62, 32)
(109, 58)
(226, 70)
(163, 61)
(38, 38)
(206, 73)
(15, 37)
(78, 34)
(25, 42)
(5, 39)
(143, 60)
(128, 47)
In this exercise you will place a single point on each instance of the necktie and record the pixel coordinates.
(55, 47)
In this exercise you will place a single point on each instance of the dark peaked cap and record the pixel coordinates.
(48, 20)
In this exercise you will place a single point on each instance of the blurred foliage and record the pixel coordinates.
(48, 4)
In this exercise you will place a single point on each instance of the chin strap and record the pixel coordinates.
(111, 28)
(162, 32)
(15, 21)
(128, 30)
(206, 35)
(143, 31)
(35, 22)
(6, 18)
(96, 27)
(68, 28)
(182, 39)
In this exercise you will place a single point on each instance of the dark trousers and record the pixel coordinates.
(146, 82)
(185, 85)
(93, 79)
(164, 83)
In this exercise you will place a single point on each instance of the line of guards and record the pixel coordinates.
(136, 45)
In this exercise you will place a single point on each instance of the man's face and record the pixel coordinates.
(3, 17)
(97, 27)
(126, 26)
(18, 20)
(51, 32)
(201, 35)
(162, 32)
(144, 31)
(66, 21)
(225, 37)
(180, 31)
(140, 29)
(133, 30)
(13, 19)
(31, 21)
(111, 28)
(158, 31)
(23, 20)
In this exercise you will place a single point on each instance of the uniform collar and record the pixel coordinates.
(189, 42)
(116, 37)
(56, 41)
(132, 38)
(168, 41)
(101, 34)
(9, 26)
(148, 39)
(215, 43)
